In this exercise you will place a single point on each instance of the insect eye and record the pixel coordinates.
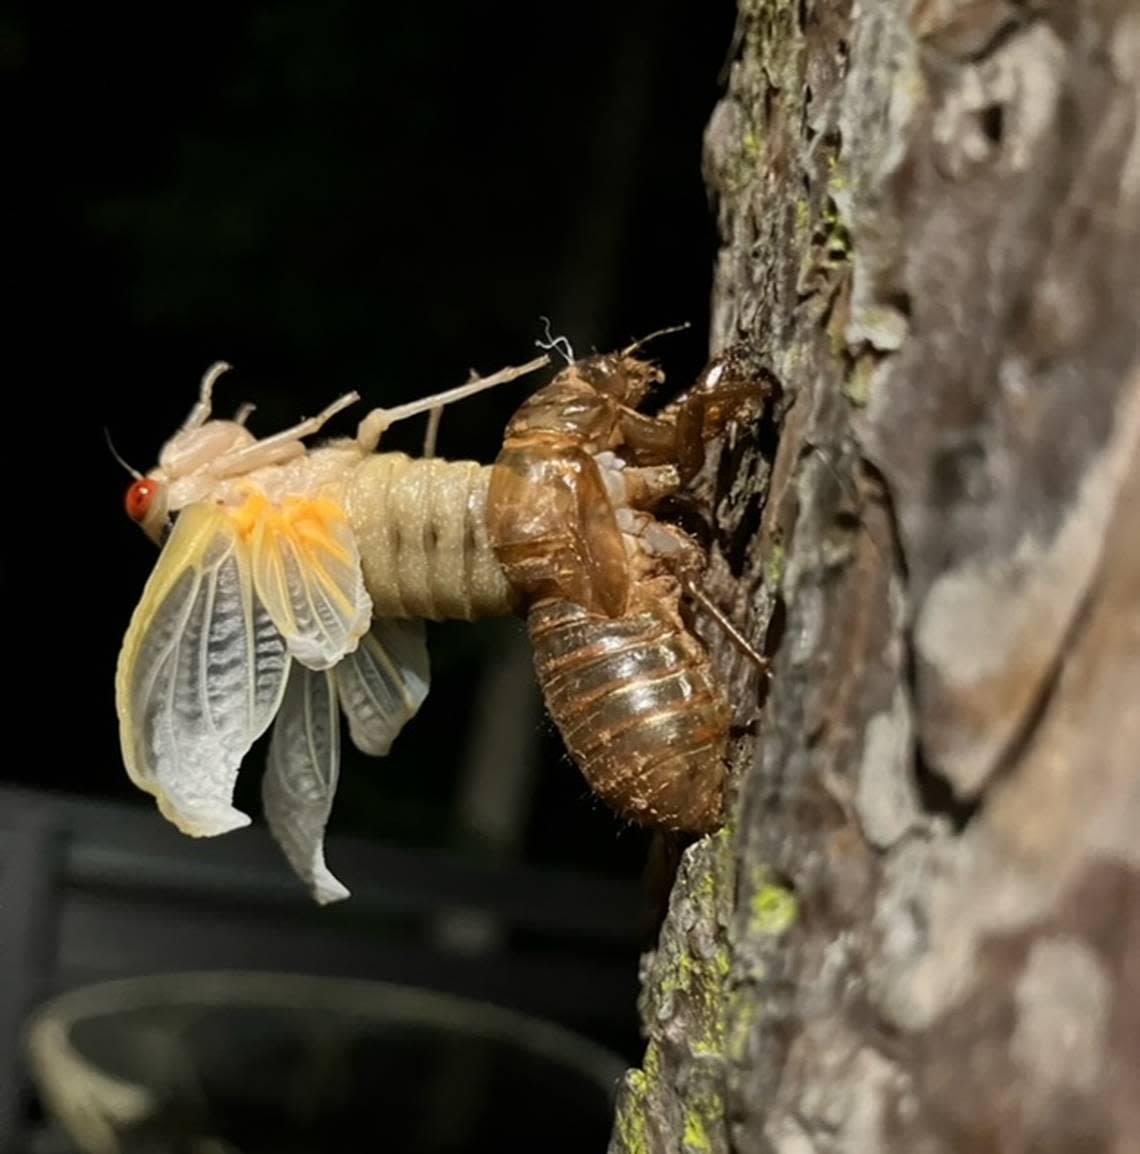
(140, 497)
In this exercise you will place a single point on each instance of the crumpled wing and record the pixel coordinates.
(383, 683)
(306, 569)
(300, 781)
(200, 675)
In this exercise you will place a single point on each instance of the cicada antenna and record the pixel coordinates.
(556, 344)
(654, 335)
(115, 453)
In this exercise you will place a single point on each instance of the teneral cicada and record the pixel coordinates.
(627, 681)
(291, 586)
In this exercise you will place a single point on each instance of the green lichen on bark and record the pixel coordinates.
(684, 1007)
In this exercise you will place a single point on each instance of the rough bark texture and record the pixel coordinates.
(920, 929)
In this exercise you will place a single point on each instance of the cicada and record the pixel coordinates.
(258, 612)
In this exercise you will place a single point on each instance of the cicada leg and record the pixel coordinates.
(431, 433)
(733, 387)
(200, 413)
(648, 440)
(372, 428)
(693, 589)
(679, 434)
(280, 447)
(686, 561)
(645, 486)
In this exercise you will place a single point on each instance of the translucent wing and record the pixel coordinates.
(300, 781)
(306, 569)
(383, 683)
(200, 674)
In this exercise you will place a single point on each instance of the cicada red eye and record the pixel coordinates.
(140, 497)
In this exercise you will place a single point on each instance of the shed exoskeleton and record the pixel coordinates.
(602, 581)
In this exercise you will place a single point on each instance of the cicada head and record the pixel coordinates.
(625, 378)
(184, 464)
(146, 504)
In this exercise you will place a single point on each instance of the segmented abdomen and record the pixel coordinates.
(639, 708)
(421, 527)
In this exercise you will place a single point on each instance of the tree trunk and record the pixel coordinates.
(920, 928)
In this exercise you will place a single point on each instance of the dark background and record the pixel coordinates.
(332, 197)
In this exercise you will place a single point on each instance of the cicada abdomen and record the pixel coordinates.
(421, 527)
(639, 707)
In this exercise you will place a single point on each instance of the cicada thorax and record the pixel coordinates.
(553, 527)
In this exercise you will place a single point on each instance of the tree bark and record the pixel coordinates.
(919, 929)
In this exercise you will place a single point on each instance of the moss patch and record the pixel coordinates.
(629, 1125)
(705, 1112)
(772, 908)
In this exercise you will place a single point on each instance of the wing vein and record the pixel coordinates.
(210, 590)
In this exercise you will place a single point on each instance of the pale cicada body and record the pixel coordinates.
(291, 587)
(628, 683)
(421, 527)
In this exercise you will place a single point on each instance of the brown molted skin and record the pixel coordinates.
(551, 522)
(732, 382)
(639, 708)
(629, 686)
